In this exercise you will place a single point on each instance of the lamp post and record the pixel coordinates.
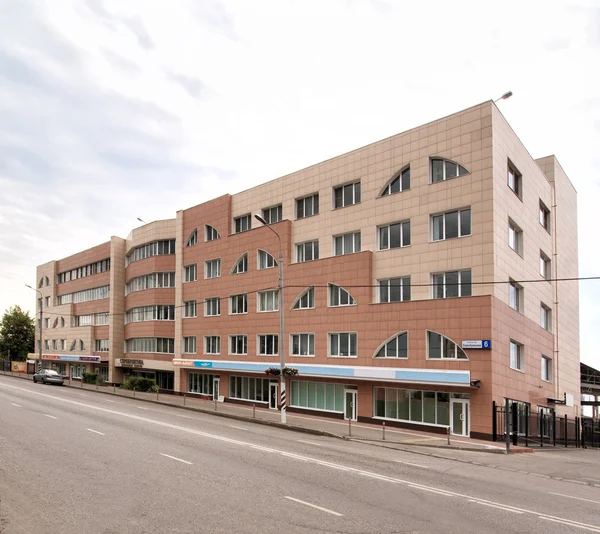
(281, 323)
(40, 363)
(505, 96)
(144, 222)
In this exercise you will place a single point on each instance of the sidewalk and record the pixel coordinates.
(377, 434)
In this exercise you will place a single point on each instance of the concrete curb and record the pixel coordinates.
(390, 444)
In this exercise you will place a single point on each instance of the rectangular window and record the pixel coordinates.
(243, 223)
(544, 216)
(200, 383)
(346, 244)
(394, 289)
(212, 344)
(157, 312)
(212, 306)
(546, 369)
(249, 388)
(54, 344)
(515, 180)
(343, 344)
(101, 345)
(346, 195)
(545, 266)
(189, 345)
(150, 281)
(268, 345)
(317, 396)
(268, 301)
(77, 371)
(46, 344)
(159, 345)
(238, 345)
(307, 206)
(272, 215)
(238, 304)
(515, 238)
(515, 296)
(394, 235)
(545, 317)
(101, 319)
(412, 405)
(47, 323)
(517, 359)
(302, 345)
(63, 344)
(307, 251)
(452, 284)
(212, 268)
(48, 302)
(189, 309)
(83, 320)
(451, 224)
(190, 273)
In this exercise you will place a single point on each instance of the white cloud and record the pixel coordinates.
(114, 109)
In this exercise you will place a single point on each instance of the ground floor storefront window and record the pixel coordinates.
(201, 383)
(249, 388)
(103, 372)
(77, 370)
(317, 396)
(416, 406)
(522, 409)
(60, 368)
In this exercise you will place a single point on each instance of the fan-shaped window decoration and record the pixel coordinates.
(440, 347)
(241, 266)
(265, 260)
(444, 169)
(73, 345)
(210, 233)
(55, 324)
(46, 281)
(399, 182)
(394, 347)
(305, 300)
(338, 296)
(81, 345)
(41, 284)
(192, 238)
(62, 322)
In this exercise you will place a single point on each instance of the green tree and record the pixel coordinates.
(17, 334)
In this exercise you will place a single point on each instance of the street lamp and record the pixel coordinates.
(505, 96)
(281, 321)
(40, 363)
(141, 221)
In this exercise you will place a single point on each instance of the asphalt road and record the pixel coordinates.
(75, 462)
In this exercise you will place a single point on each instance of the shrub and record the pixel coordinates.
(89, 378)
(141, 384)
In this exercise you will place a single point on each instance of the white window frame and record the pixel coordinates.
(385, 345)
(445, 283)
(243, 261)
(356, 194)
(309, 298)
(515, 296)
(309, 338)
(333, 287)
(339, 334)
(190, 309)
(546, 368)
(545, 266)
(267, 214)
(263, 254)
(192, 239)
(545, 317)
(514, 180)
(243, 339)
(444, 341)
(189, 345)
(241, 219)
(267, 296)
(209, 301)
(210, 233)
(515, 237)
(274, 340)
(544, 217)
(517, 358)
(210, 340)
(244, 304)
(190, 273)
(212, 268)
(399, 177)
(445, 176)
(315, 202)
(301, 249)
(444, 216)
(356, 240)
(387, 230)
(404, 282)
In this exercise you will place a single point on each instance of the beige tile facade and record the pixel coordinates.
(480, 140)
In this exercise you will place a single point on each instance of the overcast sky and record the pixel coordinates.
(113, 110)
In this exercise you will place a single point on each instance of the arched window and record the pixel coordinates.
(394, 347)
(240, 266)
(338, 296)
(444, 169)
(41, 284)
(73, 345)
(399, 182)
(192, 238)
(62, 322)
(305, 300)
(440, 347)
(55, 324)
(46, 281)
(265, 260)
(210, 233)
(81, 345)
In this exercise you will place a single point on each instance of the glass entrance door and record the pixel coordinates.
(273, 388)
(460, 417)
(350, 404)
(216, 384)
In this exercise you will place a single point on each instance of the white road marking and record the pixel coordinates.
(309, 442)
(414, 465)
(183, 416)
(50, 416)
(570, 523)
(95, 431)
(238, 427)
(315, 461)
(178, 459)
(313, 506)
(499, 507)
(571, 497)
(17, 405)
(108, 400)
(141, 408)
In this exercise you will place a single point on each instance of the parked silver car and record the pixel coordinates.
(48, 376)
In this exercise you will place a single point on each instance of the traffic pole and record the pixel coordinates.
(383, 430)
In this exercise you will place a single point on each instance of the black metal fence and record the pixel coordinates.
(543, 428)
